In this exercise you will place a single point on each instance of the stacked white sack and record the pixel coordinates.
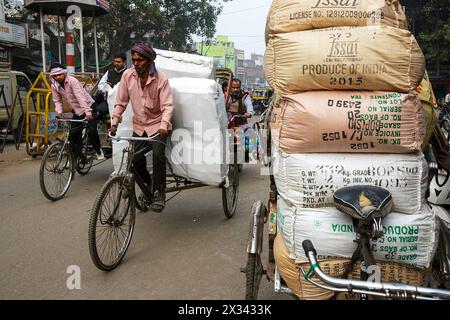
(407, 239)
(310, 180)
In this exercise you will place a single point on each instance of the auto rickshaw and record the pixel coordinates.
(261, 98)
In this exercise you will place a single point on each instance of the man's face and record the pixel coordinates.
(60, 78)
(119, 63)
(235, 89)
(140, 63)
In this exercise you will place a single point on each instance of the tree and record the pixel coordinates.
(166, 24)
(429, 20)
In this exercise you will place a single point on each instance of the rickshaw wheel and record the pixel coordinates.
(111, 224)
(85, 161)
(230, 193)
(56, 171)
(253, 274)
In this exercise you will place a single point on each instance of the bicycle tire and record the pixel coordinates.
(67, 162)
(253, 275)
(230, 193)
(123, 209)
(85, 162)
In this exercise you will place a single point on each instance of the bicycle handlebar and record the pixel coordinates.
(386, 289)
(72, 120)
(236, 116)
(119, 138)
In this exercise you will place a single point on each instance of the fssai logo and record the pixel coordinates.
(347, 4)
(343, 45)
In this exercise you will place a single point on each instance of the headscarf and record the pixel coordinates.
(144, 49)
(56, 70)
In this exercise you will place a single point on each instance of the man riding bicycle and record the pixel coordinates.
(69, 88)
(152, 103)
(240, 103)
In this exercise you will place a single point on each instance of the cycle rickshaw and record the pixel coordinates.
(346, 200)
(58, 164)
(112, 219)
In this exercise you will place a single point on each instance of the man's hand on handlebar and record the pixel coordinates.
(88, 117)
(247, 115)
(113, 130)
(163, 133)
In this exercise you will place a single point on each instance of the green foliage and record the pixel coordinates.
(166, 24)
(429, 20)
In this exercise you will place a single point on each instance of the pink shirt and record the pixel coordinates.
(152, 106)
(79, 100)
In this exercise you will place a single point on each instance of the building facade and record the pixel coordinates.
(221, 49)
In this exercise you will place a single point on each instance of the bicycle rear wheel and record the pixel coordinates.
(111, 224)
(86, 159)
(56, 171)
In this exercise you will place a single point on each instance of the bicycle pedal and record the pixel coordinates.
(125, 194)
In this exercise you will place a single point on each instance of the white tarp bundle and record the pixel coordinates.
(408, 239)
(197, 147)
(179, 64)
(310, 180)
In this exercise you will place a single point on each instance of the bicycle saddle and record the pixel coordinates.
(363, 202)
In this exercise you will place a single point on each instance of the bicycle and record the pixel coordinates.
(111, 224)
(58, 164)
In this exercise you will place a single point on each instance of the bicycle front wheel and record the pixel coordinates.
(111, 224)
(230, 192)
(56, 171)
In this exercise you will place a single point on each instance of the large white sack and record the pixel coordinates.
(178, 64)
(196, 150)
(408, 239)
(310, 180)
(197, 147)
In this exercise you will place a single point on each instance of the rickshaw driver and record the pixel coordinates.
(152, 103)
(240, 103)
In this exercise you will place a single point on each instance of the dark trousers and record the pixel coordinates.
(76, 135)
(159, 161)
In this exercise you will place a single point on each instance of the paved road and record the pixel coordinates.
(189, 251)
